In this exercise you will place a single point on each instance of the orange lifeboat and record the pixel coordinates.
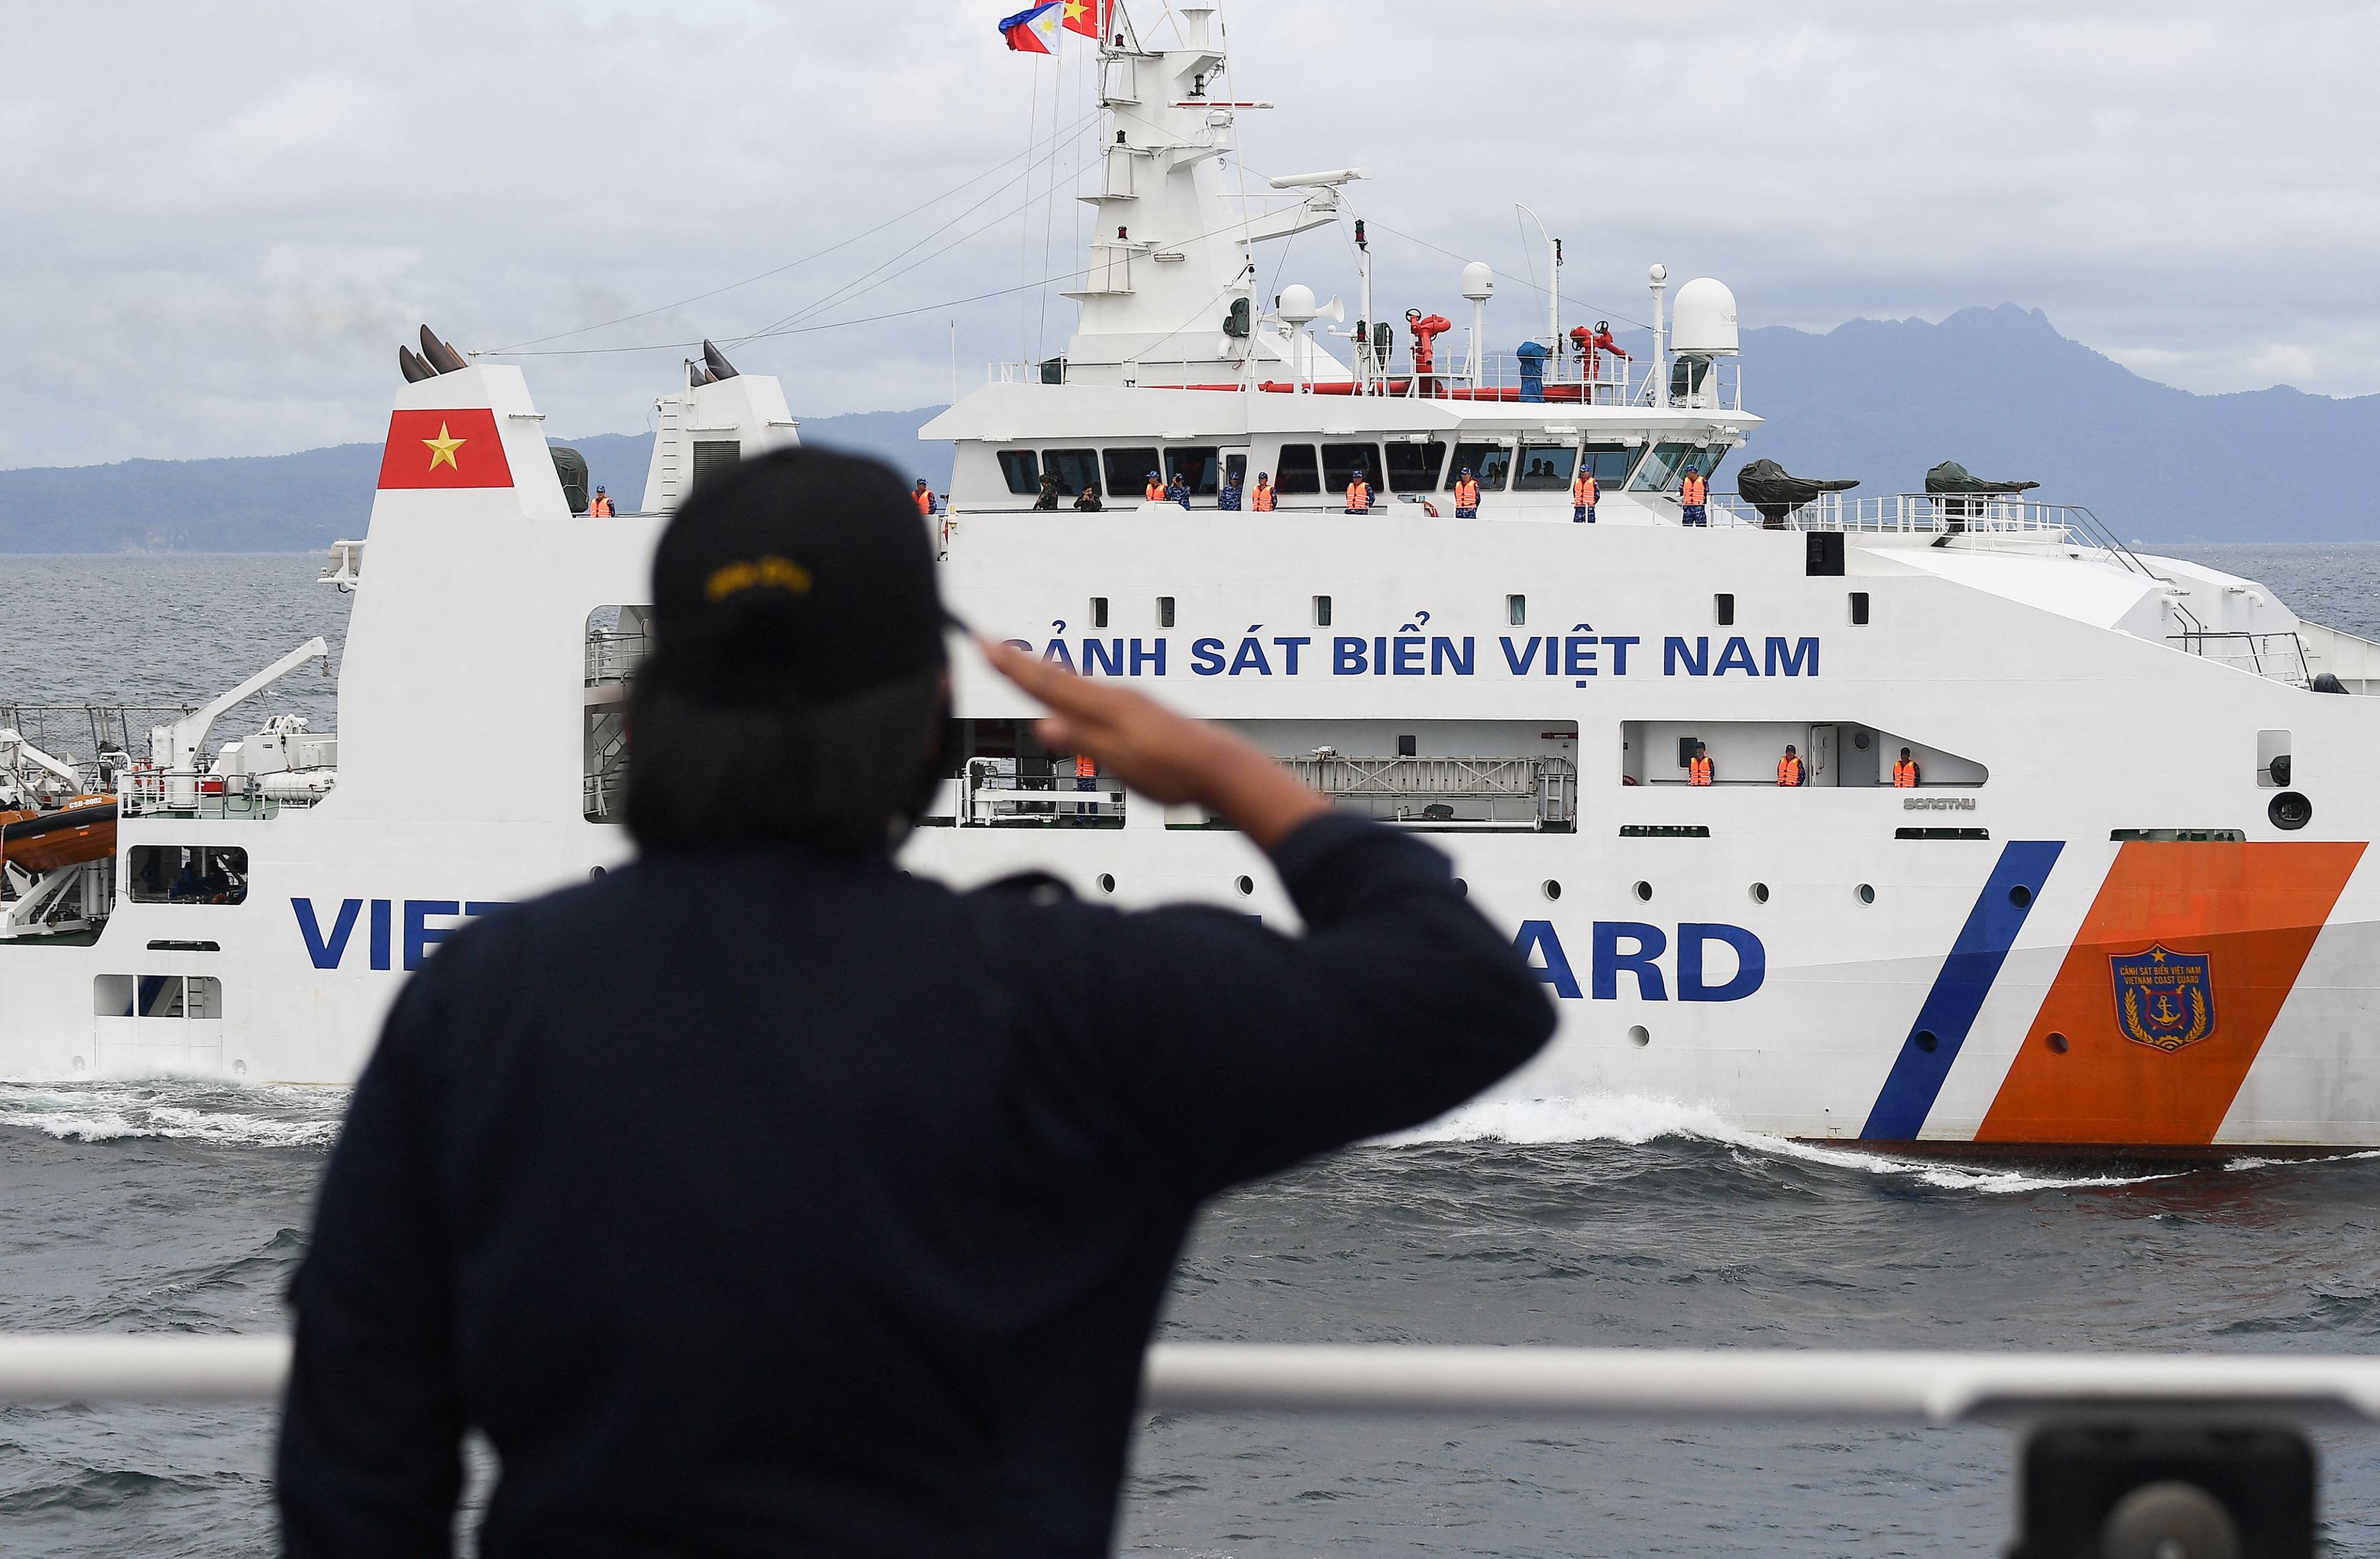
(84, 829)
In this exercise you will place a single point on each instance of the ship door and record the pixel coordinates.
(1821, 750)
(150, 1025)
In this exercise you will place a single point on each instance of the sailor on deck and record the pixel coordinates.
(601, 508)
(1260, 501)
(1698, 768)
(1466, 495)
(923, 496)
(1179, 490)
(1583, 494)
(1359, 494)
(1154, 492)
(1693, 499)
(1789, 768)
(1904, 771)
(1228, 499)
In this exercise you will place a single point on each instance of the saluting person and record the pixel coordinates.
(761, 1197)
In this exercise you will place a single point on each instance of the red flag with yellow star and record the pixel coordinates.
(458, 448)
(1082, 17)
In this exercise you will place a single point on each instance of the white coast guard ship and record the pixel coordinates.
(2033, 947)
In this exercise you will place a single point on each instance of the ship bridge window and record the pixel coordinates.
(1342, 461)
(1128, 470)
(1544, 468)
(1195, 465)
(1663, 469)
(188, 874)
(1413, 467)
(1488, 465)
(1295, 470)
(1075, 469)
(1705, 460)
(1608, 463)
(1022, 471)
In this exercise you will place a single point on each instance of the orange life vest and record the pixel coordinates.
(1904, 774)
(1582, 490)
(1153, 492)
(1789, 769)
(1697, 488)
(1466, 494)
(1359, 495)
(1086, 767)
(601, 507)
(1261, 499)
(925, 502)
(1698, 771)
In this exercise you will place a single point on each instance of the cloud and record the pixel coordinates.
(223, 218)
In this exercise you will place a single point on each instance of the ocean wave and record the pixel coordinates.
(1634, 1120)
(208, 1112)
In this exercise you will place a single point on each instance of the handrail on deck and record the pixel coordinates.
(1903, 1387)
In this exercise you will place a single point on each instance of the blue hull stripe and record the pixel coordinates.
(1958, 991)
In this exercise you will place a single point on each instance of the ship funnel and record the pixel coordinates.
(438, 354)
(410, 363)
(716, 361)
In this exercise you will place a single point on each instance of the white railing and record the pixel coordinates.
(1734, 1383)
(1498, 377)
(2280, 656)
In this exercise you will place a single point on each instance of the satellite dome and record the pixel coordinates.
(1706, 320)
(1296, 304)
(1478, 282)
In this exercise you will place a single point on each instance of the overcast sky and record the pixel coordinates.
(218, 220)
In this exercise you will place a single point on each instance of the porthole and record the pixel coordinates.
(1639, 1035)
(78, 1062)
(1644, 891)
(2022, 897)
(595, 874)
(1759, 893)
(2290, 810)
(239, 1068)
(1867, 893)
(1462, 888)
(1106, 882)
(2057, 1043)
(1246, 886)
(1550, 888)
(1926, 1040)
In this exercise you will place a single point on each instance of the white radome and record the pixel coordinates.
(1706, 319)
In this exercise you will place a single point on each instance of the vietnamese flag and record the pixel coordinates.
(459, 449)
(1082, 17)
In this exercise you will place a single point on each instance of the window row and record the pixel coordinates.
(1395, 466)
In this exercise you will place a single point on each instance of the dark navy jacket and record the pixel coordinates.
(759, 1203)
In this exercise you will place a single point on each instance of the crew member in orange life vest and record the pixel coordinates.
(1691, 499)
(1789, 768)
(1904, 773)
(1155, 492)
(601, 507)
(924, 498)
(1087, 770)
(1359, 494)
(1261, 500)
(1698, 770)
(1582, 497)
(1466, 496)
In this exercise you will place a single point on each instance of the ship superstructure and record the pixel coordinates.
(2120, 905)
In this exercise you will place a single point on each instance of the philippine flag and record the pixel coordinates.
(1035, 31)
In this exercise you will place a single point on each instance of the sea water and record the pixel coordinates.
(1599, 1221)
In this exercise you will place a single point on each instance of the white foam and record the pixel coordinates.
(197, 1112)
(1633, 1120)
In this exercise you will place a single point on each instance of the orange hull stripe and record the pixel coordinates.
(2253, 909)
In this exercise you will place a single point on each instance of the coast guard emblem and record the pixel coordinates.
(2163, 999)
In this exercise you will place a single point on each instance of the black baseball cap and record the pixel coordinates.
(798, 578)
